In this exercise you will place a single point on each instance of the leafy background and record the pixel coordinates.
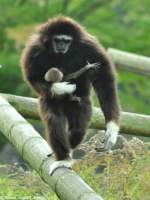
(120, 24)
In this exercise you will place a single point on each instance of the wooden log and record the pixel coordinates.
(26, 106)
(34, 149)
(131, 123)
(130, 61)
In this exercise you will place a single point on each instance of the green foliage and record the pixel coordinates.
(133, 92)
(10, 73)
(119, 24)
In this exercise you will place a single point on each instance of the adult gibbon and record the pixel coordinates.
(64, 46)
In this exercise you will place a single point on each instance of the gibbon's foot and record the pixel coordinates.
(60, 164)
(111, 135)
(62, 88)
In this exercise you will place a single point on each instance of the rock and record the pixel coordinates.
(96, 145)
(121, 143)
(123, 149)
(9, 155)
(79, 153)
(137, 144)
(100, 169)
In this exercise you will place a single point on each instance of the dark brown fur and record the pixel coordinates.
(38, 57)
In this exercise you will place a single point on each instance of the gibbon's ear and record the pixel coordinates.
(45, 42)
(42, 31)
(45, 39)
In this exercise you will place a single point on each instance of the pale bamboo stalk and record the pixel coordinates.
(34, 149)
(130, 61)
(131, 123)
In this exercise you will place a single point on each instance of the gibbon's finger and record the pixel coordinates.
(93, 65)
(62, 88)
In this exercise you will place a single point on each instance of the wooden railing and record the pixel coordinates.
(130, 61)
(131, 123)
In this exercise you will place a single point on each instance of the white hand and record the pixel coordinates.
(62, 88)
(111, 134)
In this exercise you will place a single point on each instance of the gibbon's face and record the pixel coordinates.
(61, 43)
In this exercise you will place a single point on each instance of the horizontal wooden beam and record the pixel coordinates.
(131, 123)
(130, 61)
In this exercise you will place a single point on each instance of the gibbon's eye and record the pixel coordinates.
(57, 40)
(67, 41)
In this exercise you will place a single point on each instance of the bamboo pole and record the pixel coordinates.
(34, 149)
(131, 123)
(130, 61)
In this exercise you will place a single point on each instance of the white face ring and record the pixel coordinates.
(61, 43)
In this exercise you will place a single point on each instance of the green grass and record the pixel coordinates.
(124, 175)
(123, 178)
(19, 185)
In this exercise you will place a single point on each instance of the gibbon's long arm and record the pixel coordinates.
(104, 84)
(81, 71)
(32, 60)
(41, 87)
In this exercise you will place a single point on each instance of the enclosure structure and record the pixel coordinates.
(130, 123)
(130, 61)
(35, 150)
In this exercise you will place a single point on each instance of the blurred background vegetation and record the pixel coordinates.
(120, 24)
